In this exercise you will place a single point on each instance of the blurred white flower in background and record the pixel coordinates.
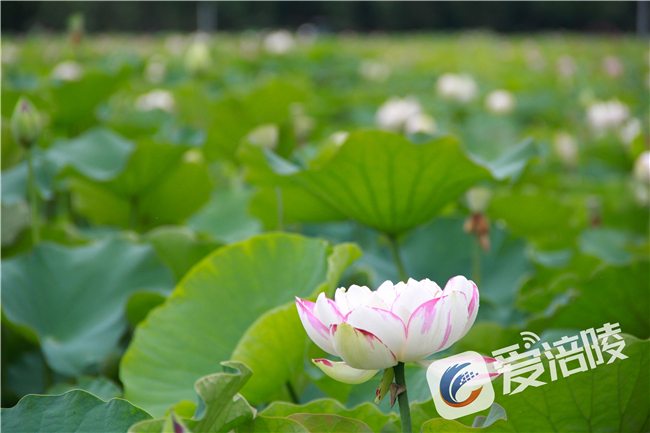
(641, 178)
(461, 88)
(500, 102)
(175, 44)
(266, 136)
(307, 34)
(566, 66)
(157, 99)
(10, 53)
(532, 55)
(249, 44)
(339, 137)
(613, 66)
(394, 113)
(193, 156)
(155, 70)
(374, 71)
(566, 148)
(642, 167)
(67, 71)
(197, 56)
(630, 131)
(279, 42)
(421, 123)
(607, 115)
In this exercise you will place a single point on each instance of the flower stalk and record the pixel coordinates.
(398, 258)
(33, 205)
(403, 400)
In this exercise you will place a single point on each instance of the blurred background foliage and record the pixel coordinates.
(165, 160)
(329, 16)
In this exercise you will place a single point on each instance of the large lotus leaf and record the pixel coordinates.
(14, 179)
(545, 219)
(201, 323)
(512, 163)
(225, 217)
(276, 205)
(180, 248)
(365, 412)
(222, 409)
(266, 424)
(74, 102)
(98, 154)
(319, 423)
(613, 246)
(159, 186)
(385, 181)
(74, 411)
(101, 387)
(15, 218)
(610, 397)
(611, 294)
(74, 297)
(230, 119)
(422, 413)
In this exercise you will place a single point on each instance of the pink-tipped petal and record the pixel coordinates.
(344, 373)
(318, 332)
(386, 326)
(361, 349)
(327, 311)
(472, 309)
(434, 326)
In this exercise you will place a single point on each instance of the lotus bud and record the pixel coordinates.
(566, 148)
(267, 136)
(25, 123)
(197, 57)
(478, 199)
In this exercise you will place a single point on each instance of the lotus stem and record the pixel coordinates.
(398, 259)
(403, 399)
(33, 204)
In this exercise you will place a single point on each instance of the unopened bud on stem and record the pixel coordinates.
(25, 123)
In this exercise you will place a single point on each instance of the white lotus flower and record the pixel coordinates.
(566, 148)
(339, 137)
(613, 66)
(374, 71)
(10, 53)
(630, 131)
(461, 88)
(157, 99)
(607, 115)
(566, 66)
(267, 136)
(394, 113)
(642, 168)
(500, 102)
(421, 123)
(67, 71)
(279, 42)
(155, 70)
(374, 330)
